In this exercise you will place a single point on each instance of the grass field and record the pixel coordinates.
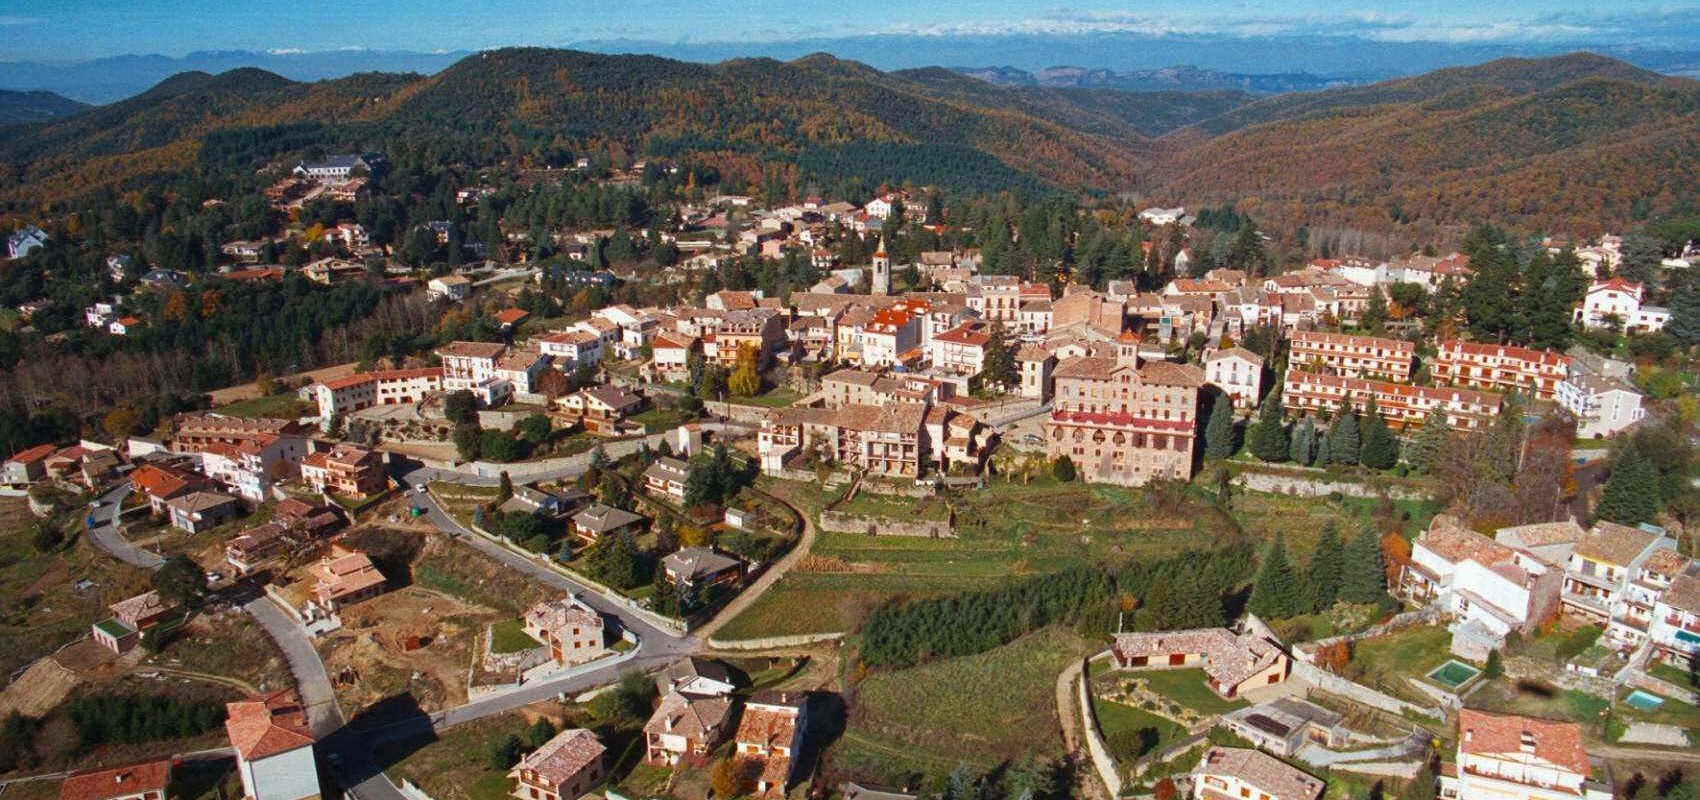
(1007, 530)
(456, 766)
(1187, 687)
(1384, 662)
(509, 636)
(978, 710)
(1671, 673)
(658, 419)
(778, 397)
(277, 406)
(40, 606)
(1124, 728)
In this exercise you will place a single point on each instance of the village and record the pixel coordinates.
(715, 492)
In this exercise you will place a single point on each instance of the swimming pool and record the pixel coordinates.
(1453, 674)
(1644, 701)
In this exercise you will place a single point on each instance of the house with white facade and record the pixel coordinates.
(1598, 578)
(1519, 758)
(1489, 588)
(1602, 406)
(1238, 372)
(1616, 302)
(274, 747)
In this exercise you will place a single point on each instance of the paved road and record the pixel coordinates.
(104, 533)
(655, 641)
(477, 473)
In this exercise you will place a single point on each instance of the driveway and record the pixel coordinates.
(751, 593)
(104, 532)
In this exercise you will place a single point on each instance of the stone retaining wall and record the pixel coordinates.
(1319, 486)
(841, 522)
(1102, 763)
(774, 642)
(1357, 692)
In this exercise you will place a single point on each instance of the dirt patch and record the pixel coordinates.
(248, 391)
(56, 574)
(369, 661)
(41, 688)
(84, 656)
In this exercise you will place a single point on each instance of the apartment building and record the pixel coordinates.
(1602, 406)
(1500, 368)
(848, 387)
(760, 329)
(888, 440)
(1353, 356)
(1400, 405)
(196, 432)
(361, 390)
(345, 470)
(1124, 422)
(960, 350)
(886, 338)
(471, 366)
(998, 298)
(1598, 578)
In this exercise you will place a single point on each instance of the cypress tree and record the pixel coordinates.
(1425, 446)
(1381, 448)
(1268, 438)
(1275, 590)
(1323, 579)
(1684, 323)
(1344, 438)
(1324, 449)
(1631, 496)
(1219, 432)
(1303, 445)
(1363, 578)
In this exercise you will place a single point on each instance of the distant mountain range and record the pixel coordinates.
(1174, 79)
(1258, 65)
(104, 80)
(1574, 143)
(35, 106)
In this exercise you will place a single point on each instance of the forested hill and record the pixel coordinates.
(1578, 142)
(1568, 142)
(743, 116)
(18, 107)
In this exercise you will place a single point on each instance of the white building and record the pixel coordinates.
(1675, 628)
(1602, 406)
(24, 241)
(449, 287)
(274, 747)
(1599, 578)
(1163, 216)
(1519, 758)
(1238, 372)
(1488, 587)
(1617, 302)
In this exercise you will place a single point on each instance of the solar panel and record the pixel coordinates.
(1267, 725)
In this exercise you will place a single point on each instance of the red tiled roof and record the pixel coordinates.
(125, 781)
(510, 316)
(268, 725)
(1507, 735)
(33, 454)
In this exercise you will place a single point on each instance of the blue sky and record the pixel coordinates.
(46, 30)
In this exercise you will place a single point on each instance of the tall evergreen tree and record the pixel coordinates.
(1684, 325)
(1425, 445)
(1344, 440)
(1363, 577)
(1380, 446)
(1375, 311)
(1303, 445)
(1275, 590)
(998, 365)
(1322, 581)
(1268, 438)
(1219, 432)
(1324, 449)
(1631, 496)
(1490, 298)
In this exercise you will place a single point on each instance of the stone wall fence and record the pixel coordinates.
(842, 522)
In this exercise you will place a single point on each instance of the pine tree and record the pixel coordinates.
(1344, 437)
(1363, 578)
(1381, 448)
(1324, 449)
(1631, 496)
(997, 367)
(1268, 438)
(1275, 590)
(1323, 578)
(1375, 311)
(1219, 432)
(1495, 665)
(1684, 325)
(1303, 445)
(1425, 446)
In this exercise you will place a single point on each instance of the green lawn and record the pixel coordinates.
(1133, 732)
(509, 636)
(277, 406)
(980, 710)
(778, 397)
(1550, 702)
(1187, 687)
(1671, 674)
(661, 418)
(1384, 662)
